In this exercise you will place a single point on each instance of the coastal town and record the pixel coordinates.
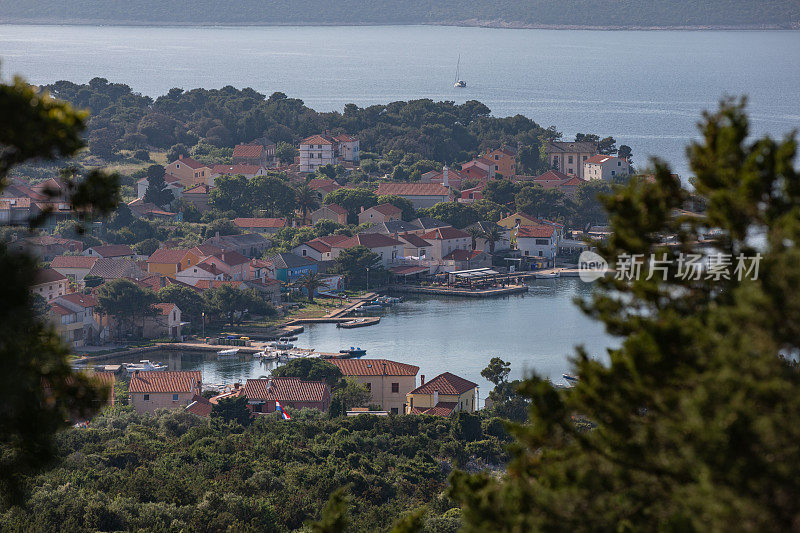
(92, 288)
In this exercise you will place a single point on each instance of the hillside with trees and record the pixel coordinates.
(509, 13)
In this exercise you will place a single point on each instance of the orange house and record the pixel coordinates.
(169, 261)
(504, 160)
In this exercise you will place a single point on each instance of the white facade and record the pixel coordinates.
(316, 153)
(348, 150)
(604, 167)
(193, 274)
(442, 247)
(538, 245)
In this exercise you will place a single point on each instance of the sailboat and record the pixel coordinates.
(459, 83)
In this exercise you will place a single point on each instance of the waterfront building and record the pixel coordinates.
(73, 316)
(443, 395)
(388, 249)
(445, 240)
(163, 389)
(388, 381)
(290, 267)
(538, 241)
(486, 225)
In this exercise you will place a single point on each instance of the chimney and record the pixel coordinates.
(211, 284)
(269, 384)
(180, 156)
(445, 181)
(362, 209)
(422, 380)
(435, 398)
(236, 386)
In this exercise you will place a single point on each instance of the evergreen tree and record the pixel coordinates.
(695, 415)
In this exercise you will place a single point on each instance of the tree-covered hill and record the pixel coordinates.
(511, 13)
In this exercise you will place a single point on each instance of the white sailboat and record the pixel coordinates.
(459, 83)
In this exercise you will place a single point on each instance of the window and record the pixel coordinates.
(585, 157)
(174, 397)
(146, 397)
(394, 410)
(304, 252)
(395, 388)
(540, 253)
(613, 172)
(569, 160)
(527, 252)
(570, 171)
(496, 157)
(542, 242)
(369, 387)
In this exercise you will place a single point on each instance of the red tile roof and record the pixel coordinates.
(414, 240)
(387, 209)
(164, 309)
(235, 169)
(113, 250)
(599, 158)
(59, 310)
(373, 367)
(448, 232)
(345, 138)
(413, 189)
(189, 162)
(205, 250)
(200, 188)
(441, 409)
(336, 208)
(208, 267)
(169, 256)
(325, 185)
(260, 222)
(539, 232)
(446, 383)
(552, 175)
(77, 298)
(48, 275)
(316, 139)
(73, 261)
(248, 150)
(199, 406)
(370, 240)
(232, 258)
(165, 381)
(462, 255)
(286, 390)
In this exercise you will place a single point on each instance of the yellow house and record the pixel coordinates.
(151, 390)
(190, 172)
(513, 222)
(443, 395)
(389, 382)
(170, 261)
(504, 160)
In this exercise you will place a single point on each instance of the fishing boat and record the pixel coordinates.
(352, 352)
(357, 323)
(144, 366)
(228, 354)
(459, 83)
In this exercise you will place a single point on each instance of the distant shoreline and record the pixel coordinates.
(458, 24)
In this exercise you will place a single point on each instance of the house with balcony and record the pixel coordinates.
(189, 172)
(445, 240)
(73, 316)
(388, 249)
(49, 284)
(605, 167)
(539, 242)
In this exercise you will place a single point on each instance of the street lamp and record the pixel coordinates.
(204, 323)
(367, 279)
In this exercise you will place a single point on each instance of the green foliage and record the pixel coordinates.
(234, 304)
(540, 202)
(189, 301)
(695, 412)
(456, 214)
(588, 207)
(40, 391)
(127, 302)
(285, 152)
(232, 410)
(175, 471)
(352, 200)
(146, 247)
(157, 191)
(310, 370)
(269, 195)
(353, 263)
(500, 191)
(335, 515)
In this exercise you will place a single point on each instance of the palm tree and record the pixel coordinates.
(493, 234)
(307, 199)
(311, 282)
(476, 233)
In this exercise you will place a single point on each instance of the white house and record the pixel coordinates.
(605, 167)
(201, 271)
(172, 182)
(538, 241)
(316, 151)
(319, 249)
(569, 157)
(445, 240)
(389, 249)
(348, 148)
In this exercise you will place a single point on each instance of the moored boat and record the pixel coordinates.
(547, 275)
(353, 352)
(228, 354)
(571, 379)
(144, 365)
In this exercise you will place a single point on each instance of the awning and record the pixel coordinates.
(407, 270)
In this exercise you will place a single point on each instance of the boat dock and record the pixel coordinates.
(459, 291)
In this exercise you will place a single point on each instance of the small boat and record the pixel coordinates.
(547, 275)
(459, 83)
(282, 344)
(371, 307)
(144, 366)
(571, 379)
(228, 354)
(352, 352)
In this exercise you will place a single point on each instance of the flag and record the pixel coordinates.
(282, 411)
